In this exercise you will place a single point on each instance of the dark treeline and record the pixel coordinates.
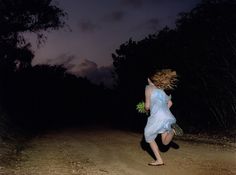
(18, 17)
(201, 49)
(44, 96)
(40, 97)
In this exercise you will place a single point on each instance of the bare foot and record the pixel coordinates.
(156, 163)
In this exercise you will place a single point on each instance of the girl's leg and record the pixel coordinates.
(156, 152)
(166, 137)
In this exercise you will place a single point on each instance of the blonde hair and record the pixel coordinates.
(164, 79)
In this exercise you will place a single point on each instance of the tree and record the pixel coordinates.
(209, 40)
(19, 16)
(16, 18)
(200, 48)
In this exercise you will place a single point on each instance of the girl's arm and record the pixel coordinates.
(147, 98)
(170, 103)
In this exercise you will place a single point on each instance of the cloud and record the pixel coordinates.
(103, 74)
(63, 59)
(133, 3)
(89, 69)
(85, 25)
(115, 16)
(85, 68)
(140, 3)
(153, 24)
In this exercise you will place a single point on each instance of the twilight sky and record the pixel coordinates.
(98, 27)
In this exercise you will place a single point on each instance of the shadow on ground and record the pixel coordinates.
(163, 148)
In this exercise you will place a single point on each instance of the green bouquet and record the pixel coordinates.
(140, 107)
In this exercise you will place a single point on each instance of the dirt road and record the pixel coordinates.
(114, 152)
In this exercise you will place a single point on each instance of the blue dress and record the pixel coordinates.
(161, 118)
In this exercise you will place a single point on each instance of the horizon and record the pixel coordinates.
(85, 47)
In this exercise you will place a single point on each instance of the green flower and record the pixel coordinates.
(140, 107)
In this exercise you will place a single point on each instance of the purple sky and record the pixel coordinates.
(98, 27)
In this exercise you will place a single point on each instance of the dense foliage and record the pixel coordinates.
(202, 50)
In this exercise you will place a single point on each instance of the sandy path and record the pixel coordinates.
(104, 152)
